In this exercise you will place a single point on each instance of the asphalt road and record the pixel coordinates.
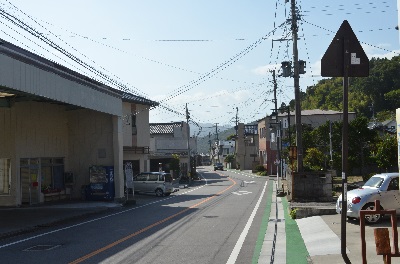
(215, 221)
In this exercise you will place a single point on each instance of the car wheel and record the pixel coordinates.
(159, 193)
(372, 219)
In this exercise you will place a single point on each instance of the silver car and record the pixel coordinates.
(159, 183)
(383, 187)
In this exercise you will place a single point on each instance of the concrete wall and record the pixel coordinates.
(142, 123)
(310, 186)
(40, 130)
(31, 130)
(127, 124)
(91, 140)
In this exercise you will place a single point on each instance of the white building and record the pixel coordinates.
(55, 123)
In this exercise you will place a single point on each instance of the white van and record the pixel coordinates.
(159, 183)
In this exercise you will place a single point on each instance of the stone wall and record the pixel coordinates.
(310, 187)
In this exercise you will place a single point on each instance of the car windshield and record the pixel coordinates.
(375, 182)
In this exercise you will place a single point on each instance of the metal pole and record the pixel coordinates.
(297, 89)
(346, 63)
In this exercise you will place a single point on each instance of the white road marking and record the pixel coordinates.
(235, 252)
(97, 219)
(241, 192)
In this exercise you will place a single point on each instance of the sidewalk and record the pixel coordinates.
(15, 221)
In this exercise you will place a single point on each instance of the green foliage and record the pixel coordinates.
(293, 213)
(314, 159)
(259, 168)
(262, 173)
(231, 137)
(174, 163)
(381, 88)
(386, 154)
(386, 115)
(229, 158)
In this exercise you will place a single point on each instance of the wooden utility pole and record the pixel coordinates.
(188, 138)
(299, 141)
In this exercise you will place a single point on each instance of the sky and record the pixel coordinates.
(216, 56)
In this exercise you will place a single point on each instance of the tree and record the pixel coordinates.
(386, 152)
(229, 158)
(314, 159)
(174, 163)
(231, 137)
(360, 138)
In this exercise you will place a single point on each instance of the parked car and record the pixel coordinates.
(218, 166)
(383, 187)
(159, 183)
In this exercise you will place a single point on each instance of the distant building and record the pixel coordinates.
(268, 131)
(247, 144)
(167, 139)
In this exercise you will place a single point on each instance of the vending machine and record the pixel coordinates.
(101, 183)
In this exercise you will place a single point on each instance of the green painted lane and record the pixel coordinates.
(264, 224)
(296, 251)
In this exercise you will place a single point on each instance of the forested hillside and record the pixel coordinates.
(380, 90)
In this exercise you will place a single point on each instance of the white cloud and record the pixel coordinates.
(380, 51)
(264, 70)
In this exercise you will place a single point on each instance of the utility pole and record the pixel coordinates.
(236, 121)
(275, 88)
(217, 140)
(299, 142)
(278, 131)
(330, 144)
(188, 137)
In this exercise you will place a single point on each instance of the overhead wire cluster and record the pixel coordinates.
(261, 91)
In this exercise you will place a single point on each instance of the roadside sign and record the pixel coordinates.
(345, 42)
(285, 123)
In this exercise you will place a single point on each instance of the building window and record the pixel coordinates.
(5, 176)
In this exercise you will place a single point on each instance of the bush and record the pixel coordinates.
(293, 213)
(259, 168)
(262, 173)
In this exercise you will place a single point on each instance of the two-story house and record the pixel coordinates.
(167, 139)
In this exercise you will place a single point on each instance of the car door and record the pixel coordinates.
(390, 199)
(140, 182)
(152, 182)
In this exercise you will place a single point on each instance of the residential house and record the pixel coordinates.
(247, 144)
(167, 139)
(272, 131)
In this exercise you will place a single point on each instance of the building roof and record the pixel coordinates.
(164, 128)
(314, 112)
(128, 97)
(28, 57)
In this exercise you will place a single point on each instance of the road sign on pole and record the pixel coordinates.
(345, 58)
(333, 60)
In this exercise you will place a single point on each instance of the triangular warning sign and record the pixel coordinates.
(345, 51)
